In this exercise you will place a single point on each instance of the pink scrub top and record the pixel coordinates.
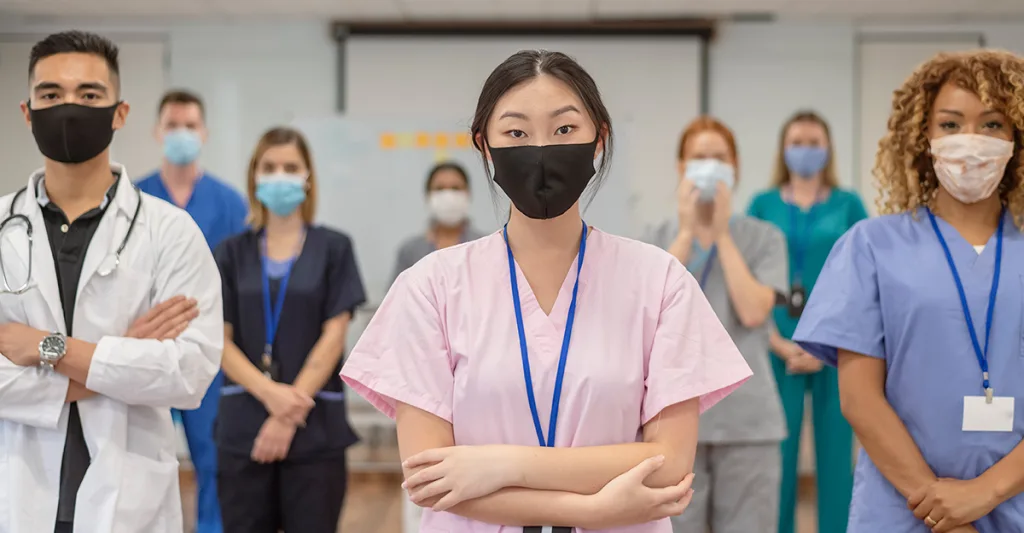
(445, 341)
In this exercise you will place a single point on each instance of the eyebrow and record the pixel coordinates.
(560, 111)
(87, 86)
(959, 114)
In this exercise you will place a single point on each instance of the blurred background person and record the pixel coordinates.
(290, 288)
(806, 203)
(448, 200)
(921, 308)
(220, 212)
(740, 263)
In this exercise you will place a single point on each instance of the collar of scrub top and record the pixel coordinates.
(44, 274)
(704, 256)
(563, 355)
(800, 237)
(981, 352)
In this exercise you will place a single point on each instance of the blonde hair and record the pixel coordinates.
(279, 137)
(903, 168)
(781, 176)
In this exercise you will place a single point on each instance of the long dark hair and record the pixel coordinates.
(526, 65)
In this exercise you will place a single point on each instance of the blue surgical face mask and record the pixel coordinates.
(706, 174)
(281, 193)
(182, 146)
(806, 161)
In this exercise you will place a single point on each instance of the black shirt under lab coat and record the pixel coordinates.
(324, 283)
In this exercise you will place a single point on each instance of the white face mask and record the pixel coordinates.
(970, 166)
(448, 207)
(707, 173)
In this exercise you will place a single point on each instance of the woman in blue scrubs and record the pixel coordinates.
(921, 309)
(290, 288)
(807, 204)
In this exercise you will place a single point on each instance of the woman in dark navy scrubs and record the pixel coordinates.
(282, 429)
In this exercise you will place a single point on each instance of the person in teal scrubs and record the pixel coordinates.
(806, 203)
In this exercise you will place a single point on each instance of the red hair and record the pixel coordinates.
(708, 123)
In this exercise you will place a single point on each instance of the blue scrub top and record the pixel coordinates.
(218, 209)
(324, 283)
(887, 292)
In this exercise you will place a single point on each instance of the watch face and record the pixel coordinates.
(52, 346)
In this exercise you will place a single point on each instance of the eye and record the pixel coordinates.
(994, 125)
(516, 134)
(565, 130)
(90, 97)
(949, 125)
(291, 168)
(47, 96)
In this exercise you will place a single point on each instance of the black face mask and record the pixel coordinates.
(72, 133)
(544, 181)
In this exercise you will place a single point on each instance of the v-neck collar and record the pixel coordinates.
(964, 253)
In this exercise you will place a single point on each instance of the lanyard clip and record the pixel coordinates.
(989, 393)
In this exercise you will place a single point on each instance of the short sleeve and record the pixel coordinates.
(692, 355)
(228, 276)
(344, 285)
(844, 311)
(403, 355)
(770, 266)
(754, 209)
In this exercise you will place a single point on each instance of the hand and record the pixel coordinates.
(287, 403)
(273, 441)
(460, 473)
(686, 203)
(723, 210)
(166, 320)
(626, 501)
(951, 503)
(20, 343)
(803, 363)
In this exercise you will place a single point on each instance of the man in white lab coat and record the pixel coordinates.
(90, 367)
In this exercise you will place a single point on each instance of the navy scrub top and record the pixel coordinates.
(324, 283)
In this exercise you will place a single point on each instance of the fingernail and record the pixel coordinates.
(660, 458)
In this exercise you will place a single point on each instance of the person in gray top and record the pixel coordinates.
(741, 264)
(448, 199)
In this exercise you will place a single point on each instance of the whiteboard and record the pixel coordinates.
(651, 86)
(371, 179)
(142, 84)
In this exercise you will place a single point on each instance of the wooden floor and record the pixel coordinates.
(374, 504)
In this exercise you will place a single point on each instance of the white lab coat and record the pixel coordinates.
(131, 485)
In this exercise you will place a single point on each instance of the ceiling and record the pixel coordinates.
(393, 10)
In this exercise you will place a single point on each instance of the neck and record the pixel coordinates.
(82, 184)
(448, 232)
(179, 177)
(556, 235)
(975, 221)
(805, 187)
(285, 226)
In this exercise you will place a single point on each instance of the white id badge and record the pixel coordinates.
(980, 415)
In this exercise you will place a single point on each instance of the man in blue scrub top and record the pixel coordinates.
(220, 211)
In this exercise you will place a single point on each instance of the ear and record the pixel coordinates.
(121, 115)
(204, 133)
(27, 114)
(681, 168)
(602, 135)
(481, 144)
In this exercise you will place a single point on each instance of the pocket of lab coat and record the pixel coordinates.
(124, 492)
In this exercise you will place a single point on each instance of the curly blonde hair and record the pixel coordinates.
(903, 168)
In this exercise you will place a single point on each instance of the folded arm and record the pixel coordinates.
(876, 424)
(553, 483)
(171, 373)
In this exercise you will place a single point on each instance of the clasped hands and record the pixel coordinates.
(442, 478)
(288, 407)
(952, 505)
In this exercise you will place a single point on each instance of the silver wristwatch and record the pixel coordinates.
(52, 349)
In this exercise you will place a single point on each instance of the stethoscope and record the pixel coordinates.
(106, 267)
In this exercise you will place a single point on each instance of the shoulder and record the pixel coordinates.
(847, 197)
(885, 231)
(752, 232)
(167, 219)
(147, 181)
(332, 238)
(414, 243)
(766, 197)
(645, 264)
(224, 189)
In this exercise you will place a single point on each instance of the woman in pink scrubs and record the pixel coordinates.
(549, 376)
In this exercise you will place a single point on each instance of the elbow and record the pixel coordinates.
(678, 464)
(756, 314)
(855, 405)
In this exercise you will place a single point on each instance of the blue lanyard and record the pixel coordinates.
(712, 254)
(550, 442)
(272, 310)
(982, 354)
(801, 240)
